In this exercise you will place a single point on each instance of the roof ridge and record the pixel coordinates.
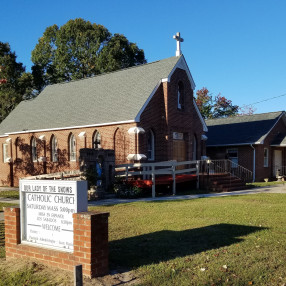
(245, 115)
(112, 72)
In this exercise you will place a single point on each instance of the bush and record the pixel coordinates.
(91, 176)
(122, 189)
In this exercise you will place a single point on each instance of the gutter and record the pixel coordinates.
(253, 172)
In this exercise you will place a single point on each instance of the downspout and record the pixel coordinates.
(253, 174)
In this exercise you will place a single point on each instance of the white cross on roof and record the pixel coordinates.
(178, 38)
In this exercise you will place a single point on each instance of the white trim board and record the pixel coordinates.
(71, 127)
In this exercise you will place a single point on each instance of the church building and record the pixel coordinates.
(145, 113)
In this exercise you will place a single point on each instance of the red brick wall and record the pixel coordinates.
(90, 244)
(245, 153)
(23, 165)
(161, 115)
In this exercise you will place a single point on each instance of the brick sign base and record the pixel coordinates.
(90, 243)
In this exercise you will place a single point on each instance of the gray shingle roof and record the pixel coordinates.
(239, 130)
(112, 97)
(279, 140)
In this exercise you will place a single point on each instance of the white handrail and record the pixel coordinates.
(168, 168)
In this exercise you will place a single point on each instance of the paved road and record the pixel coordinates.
(273, 189)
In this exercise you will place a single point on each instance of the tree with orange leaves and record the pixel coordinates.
(214, 107)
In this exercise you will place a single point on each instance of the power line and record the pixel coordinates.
(266, 99)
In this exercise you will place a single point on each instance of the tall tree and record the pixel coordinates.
(214, 107)
(15, 84)
(80, 49)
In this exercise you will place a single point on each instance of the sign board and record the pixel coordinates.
(178, 136)
(46, 211)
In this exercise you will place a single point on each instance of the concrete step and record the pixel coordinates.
(225, 183)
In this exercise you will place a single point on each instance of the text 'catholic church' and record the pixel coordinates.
(144, 113)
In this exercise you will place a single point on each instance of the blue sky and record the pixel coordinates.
(233, 47)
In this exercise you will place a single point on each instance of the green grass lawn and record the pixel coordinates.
(9, 194)
(216, 241)
(264, 184)
(2, 205)
(238, 240)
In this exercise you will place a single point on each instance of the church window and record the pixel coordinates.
(96, 141)
(5, 152)
(34, 149)
(54, 149)
(180, 96)
(150, 145)
(195, 148)
(72, 147)
(17, 146)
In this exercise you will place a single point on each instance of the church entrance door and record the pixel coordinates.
(179, 150)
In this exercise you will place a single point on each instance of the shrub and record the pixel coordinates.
(123, 189)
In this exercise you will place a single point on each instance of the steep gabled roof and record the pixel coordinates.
(279, 140)
(241, 130)
(100, 100)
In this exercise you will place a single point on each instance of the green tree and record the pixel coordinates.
(214, 107)
(15, 83)
(80, 49)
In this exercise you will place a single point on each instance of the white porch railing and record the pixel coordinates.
(152, 170)
(226, 167)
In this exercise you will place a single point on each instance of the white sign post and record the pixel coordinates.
(46, 211)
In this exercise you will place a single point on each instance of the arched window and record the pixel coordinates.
(96, 140)
(150, 145)
(180, 96)
(195, 148)
(17, 145)
(72, 147)
(54, 149)
(34, 149)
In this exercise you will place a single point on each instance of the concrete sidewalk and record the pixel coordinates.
(273, 189)
(281, 189)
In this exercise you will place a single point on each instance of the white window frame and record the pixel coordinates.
(72, 147)
(5, 152)
(151, 146)
(54, 149)
(265, 158)
(34, 149)
(96, 138)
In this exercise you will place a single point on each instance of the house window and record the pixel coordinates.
(54, 149)
(96, 140)
(265, 163)
(232, 155)
(34, 149)
(150, 145)
(72, 148)
(5, 152)
(180, 96)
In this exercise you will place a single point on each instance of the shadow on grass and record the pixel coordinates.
(165, 245)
